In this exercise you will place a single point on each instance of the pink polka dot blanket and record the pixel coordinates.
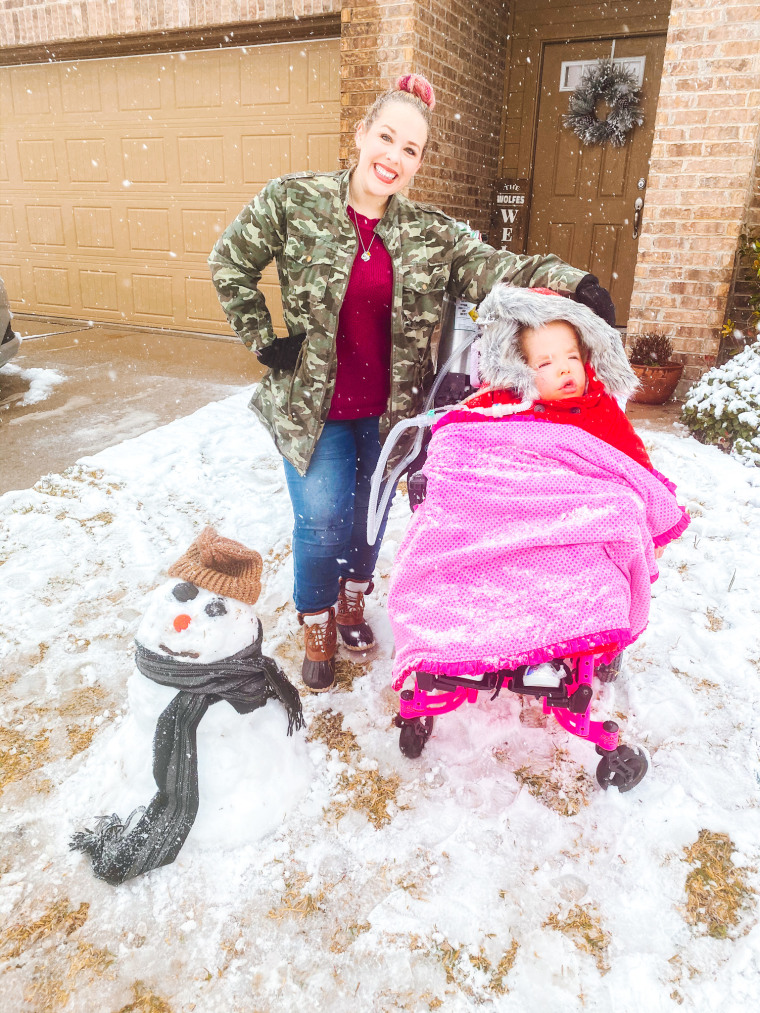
(535, 541)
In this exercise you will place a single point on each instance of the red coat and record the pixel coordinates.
(596, 412)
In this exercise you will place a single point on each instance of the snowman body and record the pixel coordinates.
(250, 772)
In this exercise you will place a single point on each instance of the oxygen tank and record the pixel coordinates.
(458, 329)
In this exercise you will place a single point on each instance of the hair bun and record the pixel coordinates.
(418, 85)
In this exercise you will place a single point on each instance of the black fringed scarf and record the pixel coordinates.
(246, 680)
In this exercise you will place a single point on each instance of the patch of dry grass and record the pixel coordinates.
(79, 738)
(393, 1000)
(146, 1001)
(95, 960)
(84, 700)
(24, 752)
(453, 960)
(327, 727)
(345, 937)
(51, 988)
(345, 673)
(68, 484)
(368, 792)
(716, 890)
(295, 901)
(424, 865)
(46, 992)
(715, 620)
(103, 519)
(563, 788)
(496, 974)
(59, 918)
(449, 956)
(21, 755)
(582, 926)
(679, 970)
(272, 563)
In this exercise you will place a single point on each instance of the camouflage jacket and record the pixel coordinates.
(300, 221)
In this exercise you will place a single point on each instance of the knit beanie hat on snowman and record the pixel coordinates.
(222, 566)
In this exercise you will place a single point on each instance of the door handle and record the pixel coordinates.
(638, 204)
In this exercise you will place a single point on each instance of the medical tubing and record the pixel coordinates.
(375, 514)
(442, 373)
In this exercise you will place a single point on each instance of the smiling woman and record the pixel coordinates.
(363, 273)
(390, 140)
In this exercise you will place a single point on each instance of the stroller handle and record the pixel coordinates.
(376, 513)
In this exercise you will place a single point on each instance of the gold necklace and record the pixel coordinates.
(366, 249)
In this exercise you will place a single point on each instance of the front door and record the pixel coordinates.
(582, 204)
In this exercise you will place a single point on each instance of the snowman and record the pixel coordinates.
(222, 764)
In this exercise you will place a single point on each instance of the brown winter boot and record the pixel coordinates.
(320, 638)
(356, 634)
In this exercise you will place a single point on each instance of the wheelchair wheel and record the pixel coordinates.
(622, 769)
(414, 735)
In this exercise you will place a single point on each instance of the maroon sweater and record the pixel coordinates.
(363, 341)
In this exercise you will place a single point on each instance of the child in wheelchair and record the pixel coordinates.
(528, 565)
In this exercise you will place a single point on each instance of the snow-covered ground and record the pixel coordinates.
(491, 873)
(41, 381)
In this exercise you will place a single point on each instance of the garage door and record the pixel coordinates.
(117, 175)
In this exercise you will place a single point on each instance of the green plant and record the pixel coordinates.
(751, 248)
(651, 349)
(733, 339)
(723, 406)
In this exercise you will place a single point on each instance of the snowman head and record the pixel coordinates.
(206, 612)
(189, 623)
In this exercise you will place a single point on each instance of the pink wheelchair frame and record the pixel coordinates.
(620, 766)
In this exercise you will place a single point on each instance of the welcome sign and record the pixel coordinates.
(509, 215)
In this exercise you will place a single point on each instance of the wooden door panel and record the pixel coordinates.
(567, 165)
(561, 238)
(614, 171)
(605, 250)
(582, 197)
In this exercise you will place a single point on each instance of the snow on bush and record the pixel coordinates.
(723, 407)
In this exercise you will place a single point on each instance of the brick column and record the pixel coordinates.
(377, 44)
(702, 170)
(461, 48)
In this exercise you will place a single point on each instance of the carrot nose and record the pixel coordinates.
(181, 623)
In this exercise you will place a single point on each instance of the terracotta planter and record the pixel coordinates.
(658, 383)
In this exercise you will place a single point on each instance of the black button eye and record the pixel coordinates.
(185, 591)
(216, 608)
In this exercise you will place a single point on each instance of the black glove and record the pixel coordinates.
(282, 353)
(591, 294)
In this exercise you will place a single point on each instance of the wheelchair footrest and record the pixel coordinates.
(556, 696)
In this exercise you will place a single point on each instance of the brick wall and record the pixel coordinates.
(461, 49)
(23, 22)
(700, 186)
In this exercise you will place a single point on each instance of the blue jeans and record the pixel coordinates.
(330, 512)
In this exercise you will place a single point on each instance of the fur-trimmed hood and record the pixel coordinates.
(505, 310)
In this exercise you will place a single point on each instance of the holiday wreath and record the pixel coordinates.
(618, 88)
